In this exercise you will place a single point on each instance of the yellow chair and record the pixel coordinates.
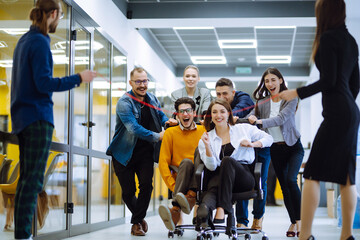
(8, 189)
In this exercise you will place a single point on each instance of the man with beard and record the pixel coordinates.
(177, 151)
(136, 144)
(32, 85)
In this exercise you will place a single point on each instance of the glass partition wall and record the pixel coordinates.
(82, 193)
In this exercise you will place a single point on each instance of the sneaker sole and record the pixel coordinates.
(165, 216)
(183, 202)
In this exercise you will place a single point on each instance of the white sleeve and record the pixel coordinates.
(210, 162)
(259, 135)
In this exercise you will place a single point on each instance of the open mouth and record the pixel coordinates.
(272, 89)
(186, 120)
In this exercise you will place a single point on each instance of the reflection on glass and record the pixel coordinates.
(99, 190)
(79, 189)
(101, 89)
(118, 88)
(82, 55)
(61, 69)
(55, 188)
(11, 13)
(117, 208)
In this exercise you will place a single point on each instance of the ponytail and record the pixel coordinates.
(41, 12)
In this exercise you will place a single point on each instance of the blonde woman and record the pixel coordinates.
(201, 96)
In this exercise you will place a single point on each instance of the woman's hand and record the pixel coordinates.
(288, 95)
(205, 138)
(246, 143)
(252, 119)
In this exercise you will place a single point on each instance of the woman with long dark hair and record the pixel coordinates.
(333, 155)
(277, 117)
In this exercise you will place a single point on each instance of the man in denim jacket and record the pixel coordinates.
(136, 145)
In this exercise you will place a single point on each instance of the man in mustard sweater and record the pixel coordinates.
(177, 150)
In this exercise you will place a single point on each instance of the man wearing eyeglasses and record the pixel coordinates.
(136, 145)
(177, 152)
(32, 85)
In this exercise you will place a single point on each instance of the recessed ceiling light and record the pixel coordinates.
(241, 59)
(3, 44)
(15, 31)
(238, 43)
(192, 28)
(274, 27)
(6, 63)
(273, 59)
(208, 60)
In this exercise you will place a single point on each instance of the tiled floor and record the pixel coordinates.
(276, 222)
(275, 225)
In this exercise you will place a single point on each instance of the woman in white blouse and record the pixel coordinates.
(227, 150)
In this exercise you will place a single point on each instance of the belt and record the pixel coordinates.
(280, 143)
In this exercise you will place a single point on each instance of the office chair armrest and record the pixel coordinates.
(257, 174)
(242, 120)
(199, 176)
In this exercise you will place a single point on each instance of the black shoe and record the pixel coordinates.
(311, 238)
(216, 220)
(350, 238)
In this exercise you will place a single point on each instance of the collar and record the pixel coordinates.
(192, 128)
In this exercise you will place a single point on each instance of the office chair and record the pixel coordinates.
(215, 230)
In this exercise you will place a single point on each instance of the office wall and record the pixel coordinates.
(137, 50)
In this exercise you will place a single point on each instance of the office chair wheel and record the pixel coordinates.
(208, 236)
(179, 232)
(247, 236)
(200, 237)
(216, 234)
(170, 234)
(264, 238)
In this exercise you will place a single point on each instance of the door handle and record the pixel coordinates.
(88, 124)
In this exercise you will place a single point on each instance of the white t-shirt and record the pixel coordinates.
(275, 132)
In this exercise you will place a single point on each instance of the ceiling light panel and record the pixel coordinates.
(238, 43)
(208, 60)
(273, 59)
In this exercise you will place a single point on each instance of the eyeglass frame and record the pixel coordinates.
(187, 110)
(139, 82)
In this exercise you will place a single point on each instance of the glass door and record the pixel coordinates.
(78, 194)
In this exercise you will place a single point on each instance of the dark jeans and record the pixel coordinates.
(287, 161)
(144, 169)
(34, 145)
(271, 185)
(258, 205)
(234, 177)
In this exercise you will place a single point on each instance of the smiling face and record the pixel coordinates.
(219, 115)
(225, 92)
(191, 77)
(272, 83)
(139, 90)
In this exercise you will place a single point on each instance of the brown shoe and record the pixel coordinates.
(137, 230)
(187, 201)
(241, 225)
(257, 223)
(170, 216)
(144, 225)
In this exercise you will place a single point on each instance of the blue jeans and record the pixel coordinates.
(259, 205)
(287, 161)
